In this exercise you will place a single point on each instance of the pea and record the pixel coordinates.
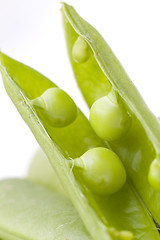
(57, 106)
(108, 118)
(102, 170)
(124, 235)
(80, 51)
(154, 175)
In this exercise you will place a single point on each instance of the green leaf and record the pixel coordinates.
(103, 216)
(141, 145)
(30, 211)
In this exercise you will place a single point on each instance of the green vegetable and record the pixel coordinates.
(154, 175)
(80, 51)
(57, 107)
(115, 216)
(108, 118)
(30, 211)
(102, 170)
(139, 146)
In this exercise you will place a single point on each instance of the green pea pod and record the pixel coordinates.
(139, 146)
(121, 215)
(30, 211)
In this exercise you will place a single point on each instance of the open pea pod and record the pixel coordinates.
(30, 211)
(99, 74)
(121, 215)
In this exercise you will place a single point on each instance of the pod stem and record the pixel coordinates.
(77, 162)
(113, 96)
(38, 102)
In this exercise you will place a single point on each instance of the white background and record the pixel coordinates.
(31, 32)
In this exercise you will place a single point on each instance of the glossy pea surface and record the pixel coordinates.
(80, 51)
(103, 171)
(59, 109)
(108, 119)
(154, 175)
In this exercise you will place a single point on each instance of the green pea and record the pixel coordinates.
(126, 235)
(123, 235)
(102, 170)
(80, 51)
(108, 118)
(154, 175)
(57, 106)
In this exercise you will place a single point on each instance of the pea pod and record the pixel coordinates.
(139, 146)
(30, 211)
(121, 215)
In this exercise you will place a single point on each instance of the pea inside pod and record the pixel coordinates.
(154, 175)
(81, 50)
(139, 146)
(108, 118)
(99, 213)
(102, 170)
(57, 106)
